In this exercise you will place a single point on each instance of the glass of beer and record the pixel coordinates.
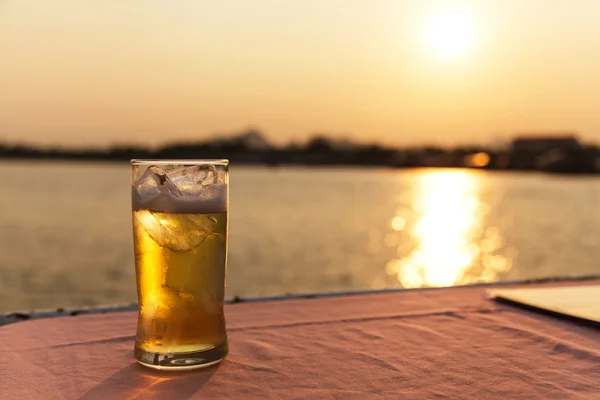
(180, 245)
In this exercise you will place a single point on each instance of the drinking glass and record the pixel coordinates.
(180, 210)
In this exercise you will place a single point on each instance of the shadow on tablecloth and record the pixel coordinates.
(136, 380)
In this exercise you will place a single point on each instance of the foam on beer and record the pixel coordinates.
(163, 196)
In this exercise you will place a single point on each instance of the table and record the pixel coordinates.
(417, 344)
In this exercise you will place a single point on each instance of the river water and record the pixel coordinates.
(66, 240)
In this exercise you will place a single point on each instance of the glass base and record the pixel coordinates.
(181, 361)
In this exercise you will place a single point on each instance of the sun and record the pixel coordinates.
(450, 35)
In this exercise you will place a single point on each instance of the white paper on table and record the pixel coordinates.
(581, 301)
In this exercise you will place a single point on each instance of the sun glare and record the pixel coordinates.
(450, 34)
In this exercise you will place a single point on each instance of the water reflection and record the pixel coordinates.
(450, 243)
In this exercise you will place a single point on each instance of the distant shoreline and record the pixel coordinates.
(296, 165)
(560, 155)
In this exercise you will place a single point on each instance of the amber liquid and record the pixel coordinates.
(180, 265)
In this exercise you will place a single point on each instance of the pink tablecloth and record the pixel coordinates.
(447, 343)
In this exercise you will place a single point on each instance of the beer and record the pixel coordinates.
(180, 262)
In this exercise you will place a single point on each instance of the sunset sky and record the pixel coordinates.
(398, 72)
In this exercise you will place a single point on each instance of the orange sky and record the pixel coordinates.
(92, 73)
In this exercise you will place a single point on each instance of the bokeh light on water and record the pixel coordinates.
(449, 243)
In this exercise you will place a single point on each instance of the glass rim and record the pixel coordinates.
(139, 161)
